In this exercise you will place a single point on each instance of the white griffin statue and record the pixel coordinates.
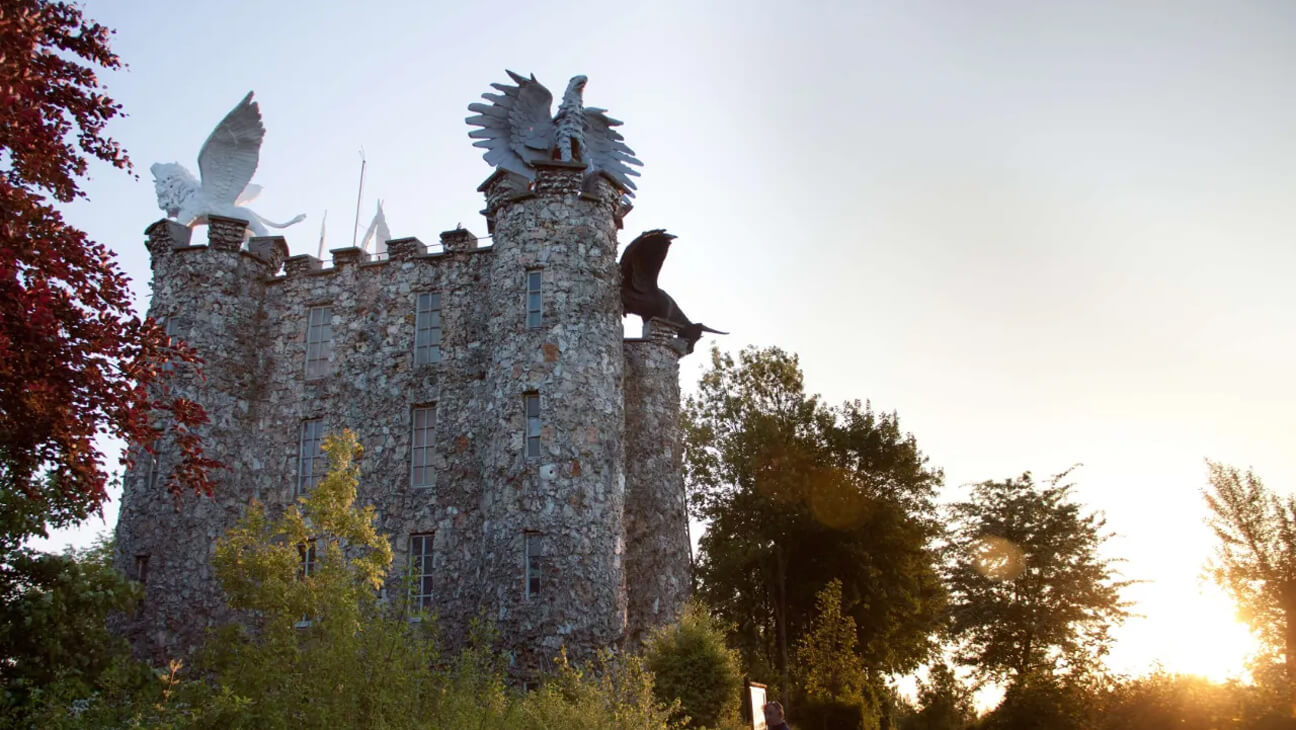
(516, 131)
(227, 161)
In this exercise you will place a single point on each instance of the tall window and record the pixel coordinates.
(533, 309)
(306, 551)
(421, 470)
(141, 568)
(153, 471)
(427, 328)
(532, 558)
(420, 551)
(172, 333)
(531, 406)
(312, 464)
(319, 341)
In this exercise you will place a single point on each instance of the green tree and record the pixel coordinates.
(53, 627)
(1030, 594)
(1256, 556)
(690, 663)
(1042, 701)
(830, 668)
(945, 702)
(798, 494)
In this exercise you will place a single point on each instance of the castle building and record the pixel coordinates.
(523, 456)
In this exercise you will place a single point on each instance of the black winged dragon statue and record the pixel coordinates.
(640, 264)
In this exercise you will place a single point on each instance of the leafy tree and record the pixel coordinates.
(1161, 701)
(945, 702)
(830, 667)
(75, 362)
(798, 494)
(318, 648)
(1256, 555)
(690, 663)
(1030, 595)
(53, 628)
(1042, 701)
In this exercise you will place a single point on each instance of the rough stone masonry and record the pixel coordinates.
(523, 456)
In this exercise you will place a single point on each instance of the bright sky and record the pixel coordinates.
(1042, 233)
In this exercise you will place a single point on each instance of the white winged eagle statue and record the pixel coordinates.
(517, 131)
(227, 161)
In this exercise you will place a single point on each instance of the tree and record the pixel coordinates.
(798, 494)
(1029, 593)
(53, 629)
(831, 669)
(75, 362)
(690, 663)
(1256, 555)
(945, 702)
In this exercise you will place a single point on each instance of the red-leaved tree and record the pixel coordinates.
(75, 362)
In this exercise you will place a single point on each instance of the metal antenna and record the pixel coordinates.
(359, 193)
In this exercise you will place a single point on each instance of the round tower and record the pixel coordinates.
(210, 297)
(552, 448)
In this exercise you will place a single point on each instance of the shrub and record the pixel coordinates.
(691, 663)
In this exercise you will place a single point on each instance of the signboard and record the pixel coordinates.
(756, 691)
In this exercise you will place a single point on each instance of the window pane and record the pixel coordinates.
(421, 438)
(420, 551)
(312, 464)
(427, 328)
(319, 341)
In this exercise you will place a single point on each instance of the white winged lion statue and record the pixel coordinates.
(227, 161)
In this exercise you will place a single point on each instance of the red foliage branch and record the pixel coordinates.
(75, 361)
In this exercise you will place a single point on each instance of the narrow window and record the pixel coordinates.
(531, 405)
(427, 328)
(533, 309)
(306, 551)
(141, 568)
(421, 470)
(420, 552)
(312, 463)
(151, 475)
(172, 333)
(319, 342)
(532, 556)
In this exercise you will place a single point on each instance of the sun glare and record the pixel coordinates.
(1202, 638)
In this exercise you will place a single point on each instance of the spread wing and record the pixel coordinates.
(516, 128)
(606, 150)
(640, 264)
(229, 157)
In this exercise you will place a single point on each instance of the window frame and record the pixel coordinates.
(532, 424)
(534, 299)
(532, 564)
(319, 341)
(421, 453)
(427, 350)
(307, 478)
(141, 568)
(423, 589)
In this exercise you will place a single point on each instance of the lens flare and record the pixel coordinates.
(997, 558)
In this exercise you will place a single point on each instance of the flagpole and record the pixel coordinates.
(359, 194)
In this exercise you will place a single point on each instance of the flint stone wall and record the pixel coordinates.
(249, 323)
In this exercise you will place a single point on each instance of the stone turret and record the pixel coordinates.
(211, 297)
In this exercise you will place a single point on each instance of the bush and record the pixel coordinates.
(692, 664)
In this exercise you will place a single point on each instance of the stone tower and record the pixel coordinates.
(524, 458)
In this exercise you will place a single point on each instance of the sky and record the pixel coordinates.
(1044, 234)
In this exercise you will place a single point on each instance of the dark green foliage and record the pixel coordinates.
(798, 494)
(53, 625)
(833, 715)
(1043, 702)
(944, 702)
(1176, 702)
(690, 663)
(1029, 593)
